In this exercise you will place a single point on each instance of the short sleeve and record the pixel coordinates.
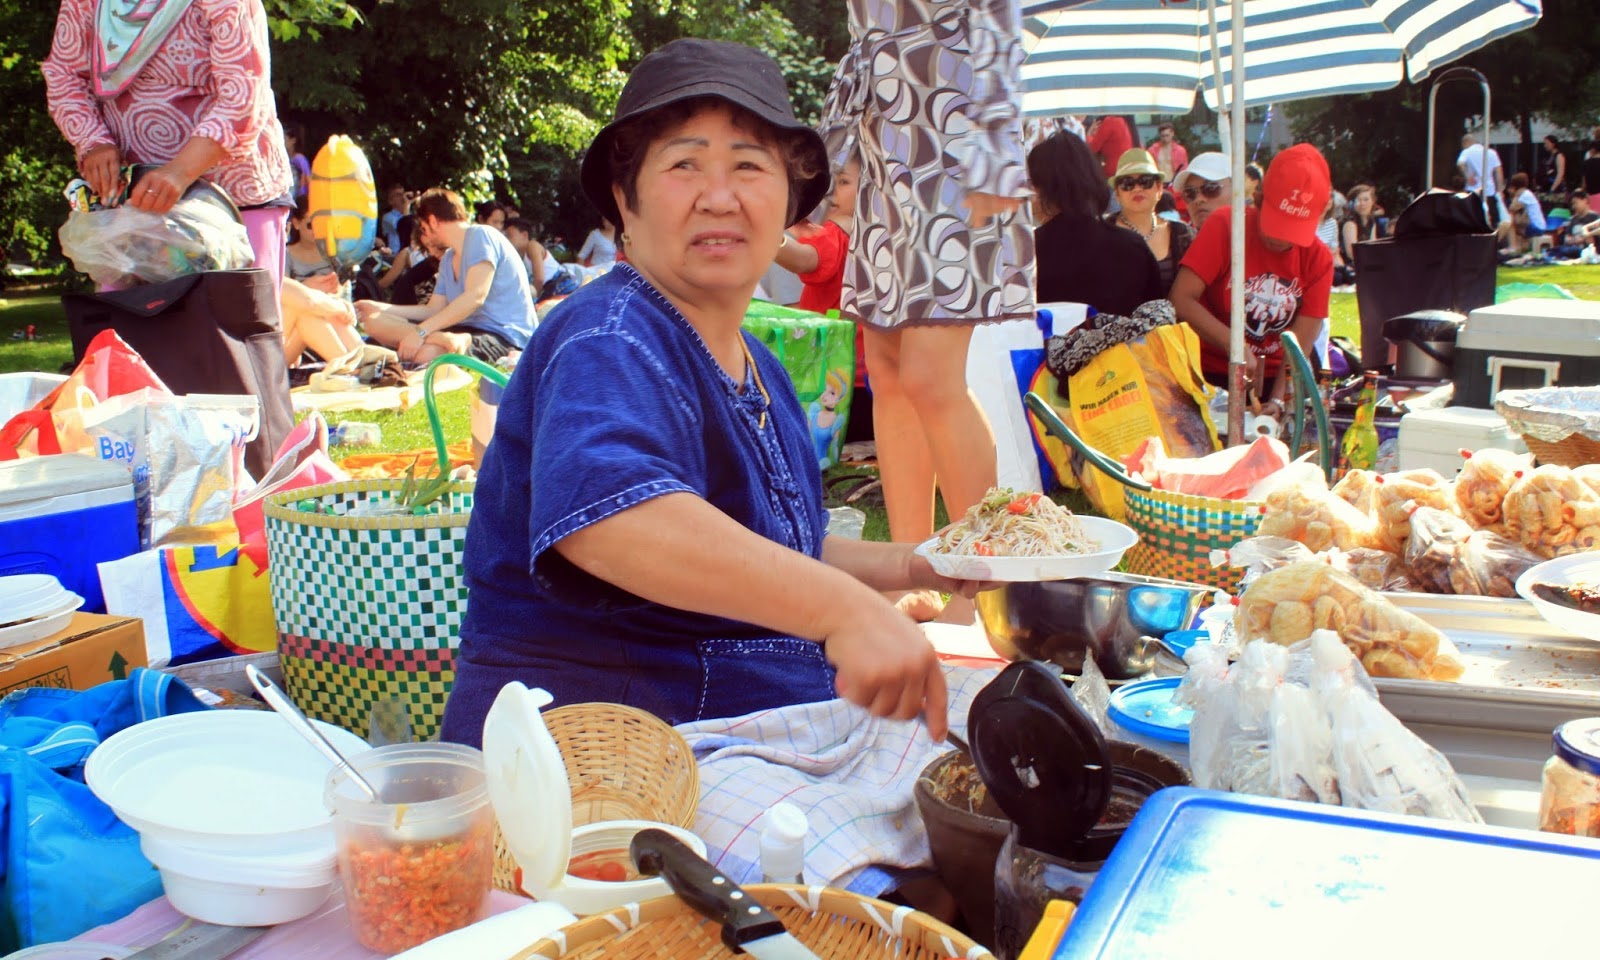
(830, 243)
(1208, 254)
(612, 428)
(479, 247)
(1316, 281)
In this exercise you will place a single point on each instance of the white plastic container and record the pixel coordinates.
(1434, 439)
(257, 891)
(226, 781)
(532, 799)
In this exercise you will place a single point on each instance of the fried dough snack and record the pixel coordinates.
(1395, 496)
(1304, 510)
(1485, 479)
(1553, 513)
(1355, 488)
(1589, 473)
(1284, 606)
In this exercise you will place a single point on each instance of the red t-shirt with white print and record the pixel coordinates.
(1278, 286)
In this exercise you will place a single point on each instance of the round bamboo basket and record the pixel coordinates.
(1575, 451)
(834, 924)
(622, 764)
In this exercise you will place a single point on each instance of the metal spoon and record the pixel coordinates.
(285, 708)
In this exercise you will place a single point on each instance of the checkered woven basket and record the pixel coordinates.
(367, 608)
(1177, 533)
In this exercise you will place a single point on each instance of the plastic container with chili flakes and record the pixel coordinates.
(420, 863)
(1570, 801)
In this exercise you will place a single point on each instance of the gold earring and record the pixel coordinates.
(625, 239)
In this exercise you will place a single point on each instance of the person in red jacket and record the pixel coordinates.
(1109, 139)
(1288, 274)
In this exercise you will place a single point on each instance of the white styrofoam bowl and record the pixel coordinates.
(241, 890)
(222, 781)
(41, 626)
(1114, 538)
(1573, 570)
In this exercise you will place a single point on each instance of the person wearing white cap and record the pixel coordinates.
(1206, 184)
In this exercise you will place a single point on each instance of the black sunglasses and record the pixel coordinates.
(1211, 190)
(1145, 181)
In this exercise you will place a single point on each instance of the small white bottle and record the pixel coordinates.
(1217, 617)
(783, 844)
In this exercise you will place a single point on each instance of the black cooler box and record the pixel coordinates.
(1526, 344)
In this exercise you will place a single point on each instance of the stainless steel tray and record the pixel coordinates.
(1524, 678)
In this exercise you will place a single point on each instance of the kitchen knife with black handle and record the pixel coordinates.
(747, 926)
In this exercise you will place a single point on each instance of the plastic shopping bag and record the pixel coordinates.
(197, 602)
(123, 246)
(302, 461)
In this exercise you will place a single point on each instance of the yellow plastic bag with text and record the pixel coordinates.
(1148, 387)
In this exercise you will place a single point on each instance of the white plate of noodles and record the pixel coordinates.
(1026, 537)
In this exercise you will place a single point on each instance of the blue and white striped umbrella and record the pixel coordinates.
(1138, 56)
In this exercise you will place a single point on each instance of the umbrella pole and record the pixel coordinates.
(1236, 345)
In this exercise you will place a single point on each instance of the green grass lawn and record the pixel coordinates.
(409, 430)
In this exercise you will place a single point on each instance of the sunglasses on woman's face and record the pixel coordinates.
(1211, 190)
(1148, 181)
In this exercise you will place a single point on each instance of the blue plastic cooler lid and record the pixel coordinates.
(1216, 876)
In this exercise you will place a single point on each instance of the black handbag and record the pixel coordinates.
(215, 332)
(1442, 212)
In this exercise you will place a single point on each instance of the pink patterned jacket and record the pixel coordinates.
(210, 78)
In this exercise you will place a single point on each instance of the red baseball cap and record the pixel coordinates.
(1294, 194)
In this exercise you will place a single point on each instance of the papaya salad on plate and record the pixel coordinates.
(1025, 537)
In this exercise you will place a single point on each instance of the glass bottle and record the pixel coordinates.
(1359, 449)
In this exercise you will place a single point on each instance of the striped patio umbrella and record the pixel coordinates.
(1151, 56)
(1139, 56)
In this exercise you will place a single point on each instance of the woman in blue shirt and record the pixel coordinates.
(648, 525)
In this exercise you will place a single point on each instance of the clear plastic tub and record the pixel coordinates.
(419, 864)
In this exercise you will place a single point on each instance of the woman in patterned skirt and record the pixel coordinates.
(928, 98)
(185, 85)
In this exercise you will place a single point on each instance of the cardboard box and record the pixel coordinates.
(93, 649)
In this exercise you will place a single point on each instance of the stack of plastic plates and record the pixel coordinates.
(32, 607)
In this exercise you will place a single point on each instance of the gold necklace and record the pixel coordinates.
(755, 373)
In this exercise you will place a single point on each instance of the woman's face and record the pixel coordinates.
(496, 219)
(712, 202)
(1139, 192)
(1363, 202)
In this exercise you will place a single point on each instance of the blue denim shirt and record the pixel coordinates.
(618, 401)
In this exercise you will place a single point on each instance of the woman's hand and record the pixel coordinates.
(158, 190)
(886, 665)
(984, 207)
(102, 169)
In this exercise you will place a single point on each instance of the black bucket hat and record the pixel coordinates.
(689, 68)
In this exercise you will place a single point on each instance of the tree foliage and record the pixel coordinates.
(1551, 71)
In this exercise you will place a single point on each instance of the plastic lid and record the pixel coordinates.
(30, 595)
(783, 836)
(1578, 743)
(1181, 641)
(1146, 708)
(528, 787)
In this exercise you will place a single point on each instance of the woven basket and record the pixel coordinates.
(622, 764)
(367, 608)
(1178, 532)
(1575, 451)
(836, 925)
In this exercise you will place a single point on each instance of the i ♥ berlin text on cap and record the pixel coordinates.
(1294, 193)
